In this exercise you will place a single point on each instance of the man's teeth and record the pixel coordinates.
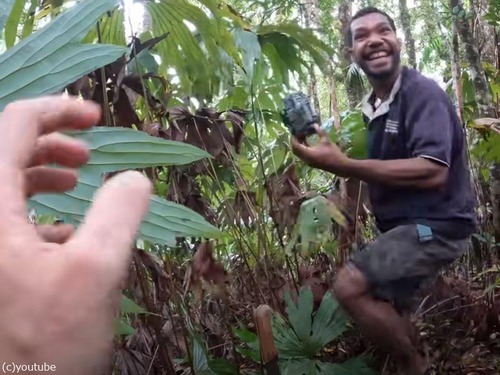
(377, 55)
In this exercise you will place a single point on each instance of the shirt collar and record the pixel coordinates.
(367, 106)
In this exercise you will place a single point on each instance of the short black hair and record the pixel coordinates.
(361, 13)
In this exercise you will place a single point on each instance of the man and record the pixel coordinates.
(60, 291)
(418, 182)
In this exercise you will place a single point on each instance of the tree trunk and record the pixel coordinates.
(311, 8)
(334, 107)
(354, 90)
(456, 73)
(409, 41)
(495, 201)
(484, 102)
(354, 84)
(483, 95)
(497, 48)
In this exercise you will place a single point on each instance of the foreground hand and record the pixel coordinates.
(57, 300)
(325, 155)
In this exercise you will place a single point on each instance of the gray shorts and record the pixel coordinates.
(399, 260)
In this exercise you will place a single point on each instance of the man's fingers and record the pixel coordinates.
(49, 180)
(68, 114)
(296, 143)
(299, 149)
(59, 233)
(24, 121)
(60, 149)
(113, 221)
(323, 135)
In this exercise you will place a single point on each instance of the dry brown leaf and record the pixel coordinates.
(285, 198)
(183, 189)
(124, 111)
(310, 276)
(205, 273)
(237, 119)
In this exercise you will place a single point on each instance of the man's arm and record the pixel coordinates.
(430, 132)
(417, 172)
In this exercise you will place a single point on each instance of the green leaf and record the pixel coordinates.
(222, 366)
(248, 42)
(116, 148)
(300, 315)
(314, 224)
(122, 328)
(112, 29)
(283, 54)
(200, 359)
(30, 19)
(303, 41)
(13, 22)
(49, 76)
(309, 366)
(488, 149)
(329, 322)
(48, 60)
(354, 134)
(143, 63)
(5, 9)
(353, 366)
(127, 306)
(302, 366)
(164, 222)
(208, 48)
(252, 341)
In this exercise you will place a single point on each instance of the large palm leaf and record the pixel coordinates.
(207, 44)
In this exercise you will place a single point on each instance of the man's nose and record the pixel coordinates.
(374, 41)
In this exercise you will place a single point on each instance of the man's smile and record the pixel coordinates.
(377, 55)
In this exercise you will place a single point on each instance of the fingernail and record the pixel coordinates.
(129, 178)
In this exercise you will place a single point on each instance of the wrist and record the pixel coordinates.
(341, 166)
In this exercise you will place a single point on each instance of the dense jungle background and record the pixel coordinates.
(192, 92)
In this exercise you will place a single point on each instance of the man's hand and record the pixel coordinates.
(59, 291)
(325, 155)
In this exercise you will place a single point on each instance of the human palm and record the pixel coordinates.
(59, 289)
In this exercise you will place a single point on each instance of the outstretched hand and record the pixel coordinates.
(59, 290)
(324, 155)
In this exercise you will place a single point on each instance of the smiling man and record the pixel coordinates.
(418, 182)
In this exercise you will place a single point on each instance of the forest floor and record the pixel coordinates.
(459, 326)
(459, 331)
(457, 316)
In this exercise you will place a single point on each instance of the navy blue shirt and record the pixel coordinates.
(419, 120)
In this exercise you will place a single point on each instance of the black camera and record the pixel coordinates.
(298, 115)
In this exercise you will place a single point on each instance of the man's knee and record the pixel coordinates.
(349, 284)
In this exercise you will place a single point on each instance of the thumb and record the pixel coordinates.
(323, 135)
(113, 221)
(298, 148)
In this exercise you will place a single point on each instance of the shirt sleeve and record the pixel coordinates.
(430, 124)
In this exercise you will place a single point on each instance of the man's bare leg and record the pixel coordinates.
(378, 320)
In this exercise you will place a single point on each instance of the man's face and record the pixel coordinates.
(375, 46)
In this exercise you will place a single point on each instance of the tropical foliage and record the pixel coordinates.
(191, 95)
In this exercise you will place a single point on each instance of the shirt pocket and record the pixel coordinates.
(393, 145)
